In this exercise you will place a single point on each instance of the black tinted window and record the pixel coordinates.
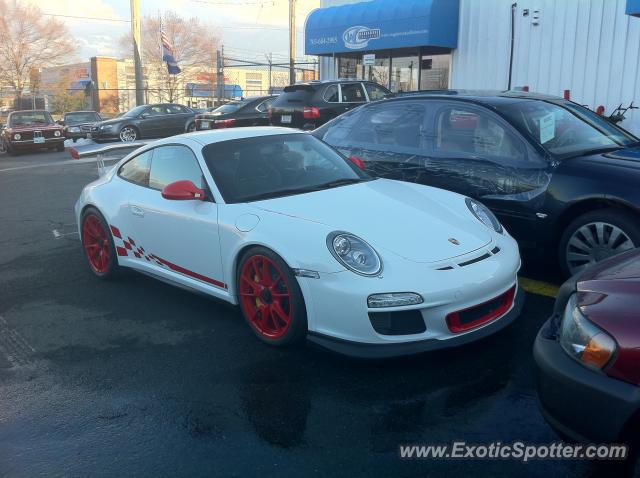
(174, 163)
(471, 131)
(295, 93)
(352, 93)
(136, 169)
(382, 127)
(375, 92)
(331, 94)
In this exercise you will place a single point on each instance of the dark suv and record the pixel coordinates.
(309, 105)
(560, 177)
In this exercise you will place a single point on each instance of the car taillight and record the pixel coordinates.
(358, 162)
(225, 123)
(311, 112)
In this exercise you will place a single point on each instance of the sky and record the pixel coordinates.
(249, 28)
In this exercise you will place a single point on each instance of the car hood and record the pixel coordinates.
(410, 220)
(626, 157)
(112, 121)
(609, 295)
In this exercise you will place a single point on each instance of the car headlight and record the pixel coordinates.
(582, 340)
(17, 136)
(56, 133)
(484, 215)
(354, 253)
(73, 129)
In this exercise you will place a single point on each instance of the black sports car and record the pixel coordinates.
(79, 124)
(146, 121)
(247, 112)
(560, 177)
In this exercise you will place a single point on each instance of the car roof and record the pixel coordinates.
(214, 136)
(490, 97)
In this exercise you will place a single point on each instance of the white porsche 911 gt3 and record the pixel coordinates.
(304, 241)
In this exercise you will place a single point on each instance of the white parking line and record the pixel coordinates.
(57, 234)
(69, 162)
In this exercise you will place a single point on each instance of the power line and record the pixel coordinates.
(88, 18)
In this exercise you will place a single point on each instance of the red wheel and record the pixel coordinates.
(98, 244)
(270, 298)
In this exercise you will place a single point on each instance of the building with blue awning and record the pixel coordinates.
(588, 50)
(405, 45)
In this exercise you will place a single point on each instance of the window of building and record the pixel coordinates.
(405, 69)
(434, 74)
(379, 72)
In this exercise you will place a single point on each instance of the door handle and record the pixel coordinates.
(136, 211)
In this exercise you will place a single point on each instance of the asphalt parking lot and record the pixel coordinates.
(136, 377)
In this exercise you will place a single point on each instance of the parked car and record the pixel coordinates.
(588, 355)
(80, 124)
(28, 130)
(274, 220)
(146, 121)
(560, 177)
(311, 104)
(246, 112)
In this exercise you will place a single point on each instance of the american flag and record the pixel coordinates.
(168, 55)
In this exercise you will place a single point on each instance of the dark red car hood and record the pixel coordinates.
(609, 295)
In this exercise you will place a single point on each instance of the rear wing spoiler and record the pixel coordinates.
(103, 151)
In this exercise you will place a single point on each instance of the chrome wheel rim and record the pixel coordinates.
(127, 134)
(594, 242)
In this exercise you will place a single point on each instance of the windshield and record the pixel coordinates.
(263, 167)
(77, 118)
(30, 117)
(565, 129)
(135, 111)
(230, 107)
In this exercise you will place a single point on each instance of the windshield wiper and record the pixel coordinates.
(589, 152)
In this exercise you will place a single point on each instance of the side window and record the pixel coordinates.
(352, 93)
(176, 109)
(381, 127)
(174, 163)
(473, 132)
(136, 169)
(375, 92)
(265, 105)
(331, 94)
(156, 110)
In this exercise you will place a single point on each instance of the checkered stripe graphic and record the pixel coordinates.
(125, 247)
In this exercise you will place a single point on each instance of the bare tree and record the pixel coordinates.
(29, 41)
(194, 48)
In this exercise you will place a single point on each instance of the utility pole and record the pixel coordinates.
(137, 56)
(220, 73)
(292, 41)
(270, 60)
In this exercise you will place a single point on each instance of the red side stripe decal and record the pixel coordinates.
(133, 243)
(121, 251)
(189, 273)
(116, 232)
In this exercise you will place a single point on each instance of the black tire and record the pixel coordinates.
(297, 330)
(113, 269)
(625, 221)
(191, 127)
(11, 151)
(60, 147)
(75, 140)
(131, 132)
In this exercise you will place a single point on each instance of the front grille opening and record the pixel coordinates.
(480, 314)
(473, 261)
(403, 322)
(495, 250)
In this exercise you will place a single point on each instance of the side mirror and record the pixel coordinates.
(358, 162)
(183, 190)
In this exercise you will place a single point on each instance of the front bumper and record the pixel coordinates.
(339, 318)
(580, 403)
(30, 144)
(390, 350)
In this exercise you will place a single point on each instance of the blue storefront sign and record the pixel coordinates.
(382, 24)
(633, 8)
